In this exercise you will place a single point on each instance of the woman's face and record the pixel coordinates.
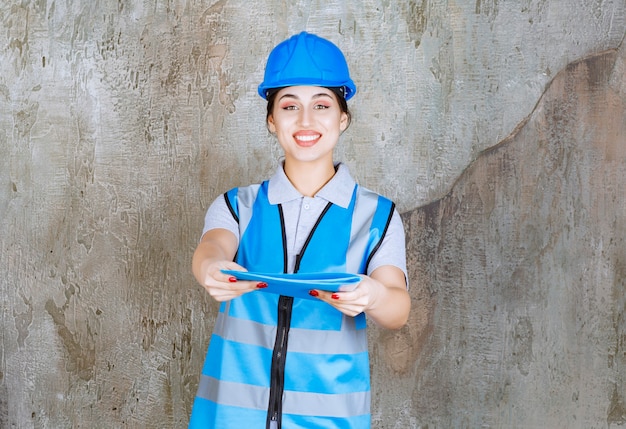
(307, 121)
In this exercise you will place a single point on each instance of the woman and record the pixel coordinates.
(279, 361)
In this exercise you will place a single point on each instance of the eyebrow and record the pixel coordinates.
(321, 94)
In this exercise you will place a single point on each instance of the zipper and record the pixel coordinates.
(279, 356)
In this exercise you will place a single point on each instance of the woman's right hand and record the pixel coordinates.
(224, 287)
(214, 253)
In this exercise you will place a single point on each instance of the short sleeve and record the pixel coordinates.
(392, 250)
(219, 215)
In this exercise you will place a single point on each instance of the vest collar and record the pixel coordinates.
(337, 191)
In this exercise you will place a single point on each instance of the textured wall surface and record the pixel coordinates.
(522, 273)
(497, 127)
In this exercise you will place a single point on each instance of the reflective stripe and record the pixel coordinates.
(305, 403)
(326, 342)
(342, 405)
(233, 394)
(360, 234)
(245, 199)
(382, 219)
(245, 331)
(301, 340)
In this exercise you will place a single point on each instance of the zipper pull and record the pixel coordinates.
(274, 422)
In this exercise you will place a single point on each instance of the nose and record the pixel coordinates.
(305, 117)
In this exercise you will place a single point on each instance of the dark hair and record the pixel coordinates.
(338, 91)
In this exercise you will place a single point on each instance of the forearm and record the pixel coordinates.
(216, 245)
(390, 307)
(206, 253)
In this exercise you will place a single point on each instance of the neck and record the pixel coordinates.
(309, 178)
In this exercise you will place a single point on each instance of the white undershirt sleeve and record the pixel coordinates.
(219, 216)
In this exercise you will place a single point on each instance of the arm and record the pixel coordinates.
(382, 296)
(215, 252)
(390, 306)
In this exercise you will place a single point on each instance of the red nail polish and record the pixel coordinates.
(334, 296)
(261, 285)
(314, 293)
(232, 279)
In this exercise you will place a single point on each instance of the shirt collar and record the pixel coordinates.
(338, 190)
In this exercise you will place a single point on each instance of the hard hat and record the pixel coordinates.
(306, 59)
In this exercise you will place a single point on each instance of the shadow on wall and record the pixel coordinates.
(518, 275)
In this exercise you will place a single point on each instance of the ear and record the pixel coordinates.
(270, 124)
(343, 122)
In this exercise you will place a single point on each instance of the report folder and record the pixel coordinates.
(298, 285)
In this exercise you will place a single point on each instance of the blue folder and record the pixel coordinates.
(298, 285)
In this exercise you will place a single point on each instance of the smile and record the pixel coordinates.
(307, 138)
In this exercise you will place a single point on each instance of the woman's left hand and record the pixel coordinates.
(353, 302)
(382, 296)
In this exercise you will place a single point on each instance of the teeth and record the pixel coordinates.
(307, 138)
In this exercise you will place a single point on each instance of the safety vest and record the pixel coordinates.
(279, 362)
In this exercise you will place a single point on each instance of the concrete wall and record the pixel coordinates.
(497, 127)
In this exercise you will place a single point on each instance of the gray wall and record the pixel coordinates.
(497, 127)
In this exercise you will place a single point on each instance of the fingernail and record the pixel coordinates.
(261, 285)
(334, 296)
(314, 293)
(232, 279)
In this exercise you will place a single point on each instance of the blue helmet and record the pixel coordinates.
(306, 59)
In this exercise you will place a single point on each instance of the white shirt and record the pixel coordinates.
(301, 214)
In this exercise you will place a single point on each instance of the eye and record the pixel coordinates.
(289, 107)
(321, 106)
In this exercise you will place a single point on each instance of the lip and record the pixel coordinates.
(306, 138)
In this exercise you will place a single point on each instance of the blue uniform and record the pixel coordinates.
(292, 363)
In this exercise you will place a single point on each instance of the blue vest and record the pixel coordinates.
(282, 362)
